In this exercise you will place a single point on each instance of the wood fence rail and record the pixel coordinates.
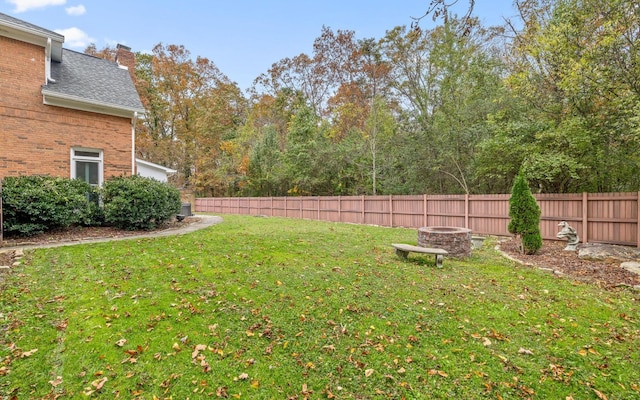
(598, 217)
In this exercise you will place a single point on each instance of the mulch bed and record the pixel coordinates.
(6, 259)
(75, 233)
(553, 256)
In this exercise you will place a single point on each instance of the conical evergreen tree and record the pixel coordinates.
(525, 216)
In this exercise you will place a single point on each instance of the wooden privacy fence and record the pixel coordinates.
(598, 217)
(1, 221)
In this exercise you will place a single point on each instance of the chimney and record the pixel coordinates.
(125, 58)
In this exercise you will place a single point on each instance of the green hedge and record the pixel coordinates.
(36, 204)
(135, 202)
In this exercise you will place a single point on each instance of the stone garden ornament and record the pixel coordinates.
(569, 233)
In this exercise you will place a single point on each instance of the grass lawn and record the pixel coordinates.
(279, 308)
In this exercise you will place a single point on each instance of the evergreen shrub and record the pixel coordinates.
(135, 202)
(35, 204)
(525, 216)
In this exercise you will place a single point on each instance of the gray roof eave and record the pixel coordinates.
(24, 31)
(52, 98)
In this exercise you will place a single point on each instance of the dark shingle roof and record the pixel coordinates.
(94, 80)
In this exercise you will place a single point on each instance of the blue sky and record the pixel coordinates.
(242, 37)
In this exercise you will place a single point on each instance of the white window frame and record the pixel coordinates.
(84, 158)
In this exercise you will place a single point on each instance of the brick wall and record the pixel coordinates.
(37, 139)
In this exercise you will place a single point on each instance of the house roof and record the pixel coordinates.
(92, 84)
(77, 80)
(26, 32)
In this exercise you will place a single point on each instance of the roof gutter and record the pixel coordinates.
(133, 142)
(47, 63)
(53, 98)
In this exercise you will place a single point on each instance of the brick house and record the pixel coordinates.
(64, 113)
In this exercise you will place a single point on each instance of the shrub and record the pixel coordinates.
(135, 202)
(525, 216)
(36, 204)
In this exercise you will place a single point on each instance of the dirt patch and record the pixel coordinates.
(553, 256)
(6, 258)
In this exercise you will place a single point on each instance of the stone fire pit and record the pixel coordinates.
(457, 241)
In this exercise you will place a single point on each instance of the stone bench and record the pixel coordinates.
(403, 250)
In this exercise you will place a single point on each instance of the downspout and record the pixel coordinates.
(133, 142)
(47, 63)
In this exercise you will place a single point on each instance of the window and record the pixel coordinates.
(86, 164)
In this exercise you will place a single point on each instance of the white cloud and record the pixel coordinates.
(76, 10)
(26, 5)
(75, 38)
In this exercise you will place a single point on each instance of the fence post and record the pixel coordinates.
(585, 217)
(339, 208)
(638, 226)
(391, 210)
(424, 206)
(1, 212)
(466, 210)
(363, 210)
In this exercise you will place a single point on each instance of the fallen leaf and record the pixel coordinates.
(486, 341)
(600, 395)
(121, 342)
(131, 352)
(99, 383)
(62, 326)
(28, 353)
(198, 349)
(243, 376)
(525, 351)
(368, 372)
(305, 390)
(56, 381)
(221, 391)
(329, 348)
